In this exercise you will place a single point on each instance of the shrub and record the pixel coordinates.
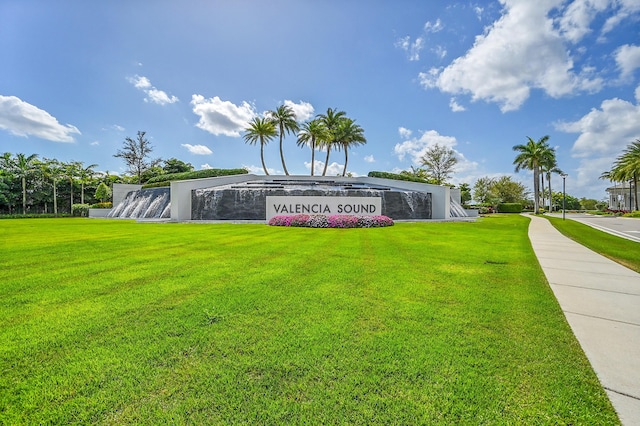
(198, 174)
(80, 210)
(332, 221)
(509, 208)
(396, 176)
(106, 205)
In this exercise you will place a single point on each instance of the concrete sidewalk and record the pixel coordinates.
(601, 301)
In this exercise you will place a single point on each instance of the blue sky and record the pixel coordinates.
(78, 77)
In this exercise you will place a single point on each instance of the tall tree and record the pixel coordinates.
(260, 130)
(284, 119)
(347, 134)
(439, 161)
(70, 171)
(85, 175)
(23, 166)
(52, 169)
(135, 154)
(312, 133)
(330, 120)
(531, 156)
(173, 165)
(549, 167)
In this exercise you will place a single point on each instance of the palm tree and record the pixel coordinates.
(348, 134)
(549, 166)
(85, 174)
(627, 166)
(52, 169)
(23, 166)
(330, 120)
(284, 119)
(531, 157)
(260, 130)
(71, 171)
(312, 133)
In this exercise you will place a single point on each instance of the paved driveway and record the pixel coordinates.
(625, 227)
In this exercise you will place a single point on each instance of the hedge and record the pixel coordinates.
(199, 174)
(396, 176)
(509, 208)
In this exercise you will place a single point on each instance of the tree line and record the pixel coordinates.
(29, 184)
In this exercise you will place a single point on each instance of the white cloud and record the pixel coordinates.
(455, 107)
(440, 51)
(628, 59)
(118, 128)
(519, 52)
(220, 117)
(605, 131)
(319, 165)
(334, 169)
(205, 166)
(23, 119)
(603, 134)
(625, 9)
(404, 133)
(415, 148)
(412, 49)
(433, 27)
(576, 21)
(154, 95)
(303, 110)
(258, 170)
(94, 143)
(369, 159)
(197, 149)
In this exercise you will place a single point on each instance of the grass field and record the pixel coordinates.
(117, 322)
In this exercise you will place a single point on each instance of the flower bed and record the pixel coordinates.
(332, 221)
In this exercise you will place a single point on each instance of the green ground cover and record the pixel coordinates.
(420, 323)
(618, 249)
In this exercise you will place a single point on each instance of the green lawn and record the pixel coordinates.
(623, 251)
(118, 322)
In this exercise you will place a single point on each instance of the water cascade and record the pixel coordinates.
(153, 203)
(456, 209)
(247, 201)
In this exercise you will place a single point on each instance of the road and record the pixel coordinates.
(625, 227)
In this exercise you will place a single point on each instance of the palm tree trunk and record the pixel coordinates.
(24, 195)
(542, 187)
(284, 166)
(264, 166)
(326, 162)
(346, 160)
(55, 199)
(635, 184)
(71, 192)
(536, 190)
(550, 197)
(313, 155)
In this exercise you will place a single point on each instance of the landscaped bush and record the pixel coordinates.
(396, 176)
(163, 180)
(509, 208)
(106, 205)
(332, 221)
(635, 213)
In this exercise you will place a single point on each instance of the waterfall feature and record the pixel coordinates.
(153, 203)
(247, 201)
(457, 210)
